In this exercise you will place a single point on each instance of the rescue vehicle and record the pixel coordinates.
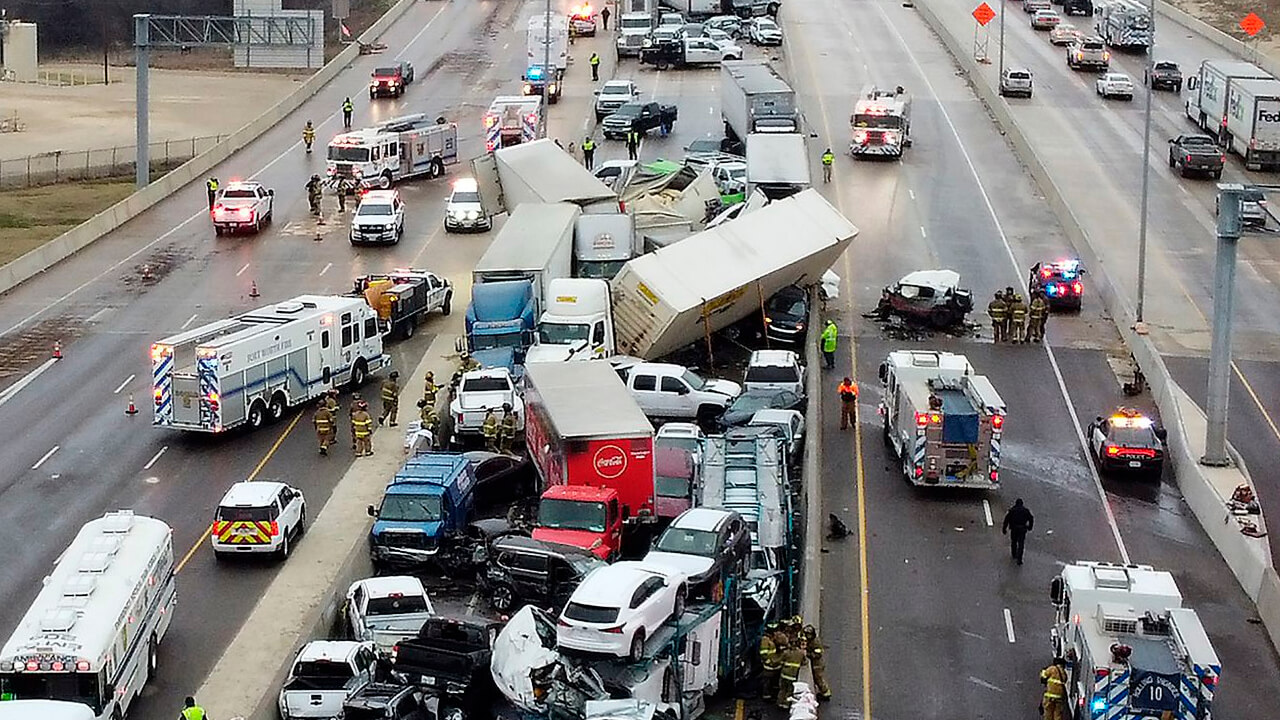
(512, 120)
(92, 635)
(398, 149)
(942, 419)
(1132, 650)
(403, 297)
(881, 122)
(1060, 282)
(250, 368)
(582, 21)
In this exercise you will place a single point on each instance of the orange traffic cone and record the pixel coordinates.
(132, 409)
(57, 350)
(253, 289)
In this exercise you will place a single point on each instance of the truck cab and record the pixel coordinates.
(402, 298)
(881, 123)
(578, 323)
(500, 321)
(426, 505)
(582, 516)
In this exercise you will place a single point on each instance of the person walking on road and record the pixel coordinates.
(998, 311)
(828, 159)
(390, 399)
(1017, 523)
(829, 339)
(604, 17)
(848, 392)
(192, 711)
(347, 109)
(308, 135)
(362, 431)
(633, 144)
(323, 421)
(430, 390)
(212, 186)
(595, 67)
(1037, 315)
(589, 153)
(1017, 318)
(1054, 678)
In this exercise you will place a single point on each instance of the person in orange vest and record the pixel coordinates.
(848, 392)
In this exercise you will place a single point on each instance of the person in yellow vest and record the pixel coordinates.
(830, 339)
(212, 186)
(490, 431)
(347, 109)
(828, 159)
(323, 420)
(1054, 678)
(362, 431)
(192, 711)
(595, 67)
(817, 662)
(772, 643)
(793, 658)
(589, 153)
(507, 431)
(1017, 318)
(308, 135)
(390, 399)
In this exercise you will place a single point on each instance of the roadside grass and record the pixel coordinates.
(31, 217)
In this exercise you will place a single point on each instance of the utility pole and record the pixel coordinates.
(1229, 228)
(106, 48)
(1003, 5)
(1146, 165)
(547, 74)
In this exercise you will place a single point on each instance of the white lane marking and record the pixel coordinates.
(98, 315)
(912, 193)
(472, 604)
(154, 458)
(30, 377)
(986, 512)
(326, 268)
(505, 46)
(420, 33)
(984, 683)
(923, 232)
(121, 385)
(1008, 625)
(241, 272)
(190, 320)
(1017, 273)
(198, 214)
(46, 457)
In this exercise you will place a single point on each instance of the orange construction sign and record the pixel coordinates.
(1252, 24)
(983, 14)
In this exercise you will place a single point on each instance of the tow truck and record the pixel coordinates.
(402, 297)
(1132, 650)
(398, 149)
(881, 122)
(242, 206)
(1059, 281)
(1127, 440)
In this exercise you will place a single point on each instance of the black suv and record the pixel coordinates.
(385, 701)
(522, 570)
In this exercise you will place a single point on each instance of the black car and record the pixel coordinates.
(705, 544)
(785, 315)
(1127, 441)
(501, 479)
(1061, 282)
(522, 571)
(388, 701)
(745, 405)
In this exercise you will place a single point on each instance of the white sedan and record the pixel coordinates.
(1045, 20)
(1115, 85)
(763, 31)
(617, 607)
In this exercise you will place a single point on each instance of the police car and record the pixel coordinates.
(379, 218)
(1060, 282)
(1127, 441)
(463, 211)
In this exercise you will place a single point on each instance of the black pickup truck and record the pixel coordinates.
(450, 658)
(1196, 153)
(1166, 75)
(639, 116)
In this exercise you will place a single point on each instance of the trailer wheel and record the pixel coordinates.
(277, 407)
(257, 415)
(153, 657)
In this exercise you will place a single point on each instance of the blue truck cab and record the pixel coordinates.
(425, 506)
(500, 322)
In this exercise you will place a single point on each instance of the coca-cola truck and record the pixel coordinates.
(585, 431)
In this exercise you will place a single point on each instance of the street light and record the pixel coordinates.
(1003, 4)
(1146, 163)
(1230, 196)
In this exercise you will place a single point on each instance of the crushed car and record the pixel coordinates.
(928, 297)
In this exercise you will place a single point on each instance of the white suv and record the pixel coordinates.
(464, 210)
(258, 517)
(323, 675)
(379, 218)
(617, 607)
(774, 370)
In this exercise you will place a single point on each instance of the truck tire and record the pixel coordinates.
(384, 180)
(450, 712)
(941, 318)
(257, 415)
(358, 374)
(888, 437)
(447, 306)
(437, 168)
(217, 230)
(1172, 162)
(153, 656)
(408, 327)
(278, 405)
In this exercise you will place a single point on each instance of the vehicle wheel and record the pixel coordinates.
(1182, 172)
(678, 608)
(1217, 174)
(941, 318)
(409, 327)
(437, 168)
(450, 712)
(384, 180)
(277, 407)
(257, 225)
(217, 231)
(400, 233)
(1177, 87)
(636, 653)
(373, 96)
(117, 713)
(153, 657)
(1172, 162)
(884, 431)
(773, 9)
(257, 415)
(358, 374)
(502, 598)
(447, 306)
(283, 552)
(662, 64)
(302, 523)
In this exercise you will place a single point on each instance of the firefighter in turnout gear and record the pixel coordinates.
(772, 643)
(315, 192)
(430, 390)
(1054, 678)
(507, 431)
(817, 662)
(490, 431)
(427, 414)
(308, 135)
(390, 399)
(1037, 314)
(998, 311)
(1017, 318)
(793, 658)
(362, 430)
(331, 401)
(469, 363)
(324, 422)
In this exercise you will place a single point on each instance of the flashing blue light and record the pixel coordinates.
(535, 73)
(1099, 704)
(1051, 289)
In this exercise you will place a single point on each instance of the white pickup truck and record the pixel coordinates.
(242, 206)
(667, 391)
(481, 391)
(324, 674)
(386, 610)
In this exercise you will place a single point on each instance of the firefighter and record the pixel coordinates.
(771, 646)
(430, 389)
(430, 420)
(314, 194)
(1037, 315)
(1054, 678)
(356, 404)
(1017, 523)
(848, 391)
(323, 420)
(444, 438)
(595, 68)
(1017, 318)
(507, 431)
(362, 430)
(490, 431)
(469, 363)
(998, 311)
(347, 109)
(793, 658)
(212, 186)
(817, 662)
(343, 187)
(308, 135)
(390, 399)
(589, 153)
(331, 401)
(828, 159)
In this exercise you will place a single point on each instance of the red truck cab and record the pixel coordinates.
(582, 516)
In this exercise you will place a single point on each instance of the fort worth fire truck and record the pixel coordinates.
(881, 122)
(398, 149)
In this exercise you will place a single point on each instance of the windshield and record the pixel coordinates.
(410, 508)
(368, 209)
(462, 196)
(783, 305)
(682, 443)
(1094, 45)
(749, 402)
(771, 374)
(557, 334)
(705, 145)
(1132, 437)
(688, 542)
(881, 122)
(386, 72)
(320, 675)
(485, 384)
(629, 110)
(1202, 140)
(765, 25)
(402, 605)
(348, 154)
(673, 487)
(605, 270)
(570, 515)
(693, 381)
(513, 339)
(71, 687)
(635, 23)
(239, 194)
(623, 90)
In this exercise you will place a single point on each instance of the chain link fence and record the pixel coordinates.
(54, 167)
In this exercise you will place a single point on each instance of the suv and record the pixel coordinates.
(258, 517)
(1015, 81)
(774, 370)
(323, 675)
(613, 95)
(927, 296)
(379, 218)
(386, 701)
(664, 390)
(464, 211)
(704, 544)
(1090, 52)
(390, 80)
(522, 570)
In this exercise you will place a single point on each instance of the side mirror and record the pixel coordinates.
(271, 192)
(595, 92)
(1056, 590)
(373, 511)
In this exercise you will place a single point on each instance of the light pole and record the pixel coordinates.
(546, 68)
(1146, 163)
(1229, 228)
(1003, 4)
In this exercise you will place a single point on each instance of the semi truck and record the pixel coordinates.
(577, 323)
(699, 9)
(512, 120)
(755, 99)
(777, 165)
(398, 149)
(1133, 650)
(539, 172)
(942, 419)
(1209, 87)
(583, 428)
(1253, 122)
(403, 297)
(534, 247)
(603, 243)
(548, 55)
(679, 294)
(251, 368)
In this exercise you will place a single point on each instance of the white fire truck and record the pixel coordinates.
(397, 149)
(881, 122)
(511, 120)
(942, 419)
(1132, 650)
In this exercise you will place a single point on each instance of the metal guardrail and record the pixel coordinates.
(59, 166)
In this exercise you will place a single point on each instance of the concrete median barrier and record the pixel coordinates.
(60, 248)
(1206, 490)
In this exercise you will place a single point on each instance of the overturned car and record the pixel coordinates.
(928, 297)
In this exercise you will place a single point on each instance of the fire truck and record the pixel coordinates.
(397, 149)
(511, 120)
(881, 122)
(1132, 650)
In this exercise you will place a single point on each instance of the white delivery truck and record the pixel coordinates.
(547, 56)
(539, 172)
(397, 149)
(577, 323)
(678, 294)
(250, 368)
(777, 165)
(1253, 122)
(1207, 88)
(603, 243)
(512, 120)
(942, 419)
(755, 99)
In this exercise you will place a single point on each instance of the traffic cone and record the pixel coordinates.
(57, 350)
(132, 409)
(253, 289)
